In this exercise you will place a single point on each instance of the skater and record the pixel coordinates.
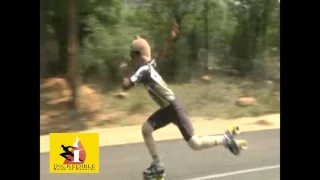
(171, 110)
(67, 152)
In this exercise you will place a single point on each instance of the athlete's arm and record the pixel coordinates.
(139, 76)
(129, 81)
(174, 34)
(126, 82)
(70, 147)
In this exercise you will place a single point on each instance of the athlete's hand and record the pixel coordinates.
(174, 32)
(123, 68)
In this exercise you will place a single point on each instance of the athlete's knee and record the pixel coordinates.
(195, 143)
(147, 129)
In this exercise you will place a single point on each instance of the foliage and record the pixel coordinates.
(234, 34)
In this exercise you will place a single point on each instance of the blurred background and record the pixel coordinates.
(225, 64)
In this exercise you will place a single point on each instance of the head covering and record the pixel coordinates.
(142, 46)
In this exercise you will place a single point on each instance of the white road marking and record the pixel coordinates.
(236, 172)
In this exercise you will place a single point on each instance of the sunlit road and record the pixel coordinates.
(126, 162)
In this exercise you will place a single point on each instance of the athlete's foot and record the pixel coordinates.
(231, 144)
(155, 169)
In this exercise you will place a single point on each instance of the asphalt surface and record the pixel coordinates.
(126, 162)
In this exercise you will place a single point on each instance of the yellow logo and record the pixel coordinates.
(74, 153)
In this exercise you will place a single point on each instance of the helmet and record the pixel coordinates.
(140, 46)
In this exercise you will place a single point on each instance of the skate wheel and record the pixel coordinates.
(161, 177)
(149, 178)
(242, 144)
(152, 178)
(234, 129)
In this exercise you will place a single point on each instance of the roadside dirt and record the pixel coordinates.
(132, 134)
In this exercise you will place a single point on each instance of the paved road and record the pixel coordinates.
(126, 162)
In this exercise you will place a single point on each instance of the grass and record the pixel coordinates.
(215, 99)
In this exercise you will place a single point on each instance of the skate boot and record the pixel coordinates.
(154, 172)
(231, 143)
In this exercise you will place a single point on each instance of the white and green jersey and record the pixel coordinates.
(154, 84)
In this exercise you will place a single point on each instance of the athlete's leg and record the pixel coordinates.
(185, 126)
(203, 142)
(158, 120)
(147, 130)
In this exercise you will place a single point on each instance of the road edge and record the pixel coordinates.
(132, 134)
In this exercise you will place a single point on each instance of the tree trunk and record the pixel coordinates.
(206, 34)
(72, 52)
